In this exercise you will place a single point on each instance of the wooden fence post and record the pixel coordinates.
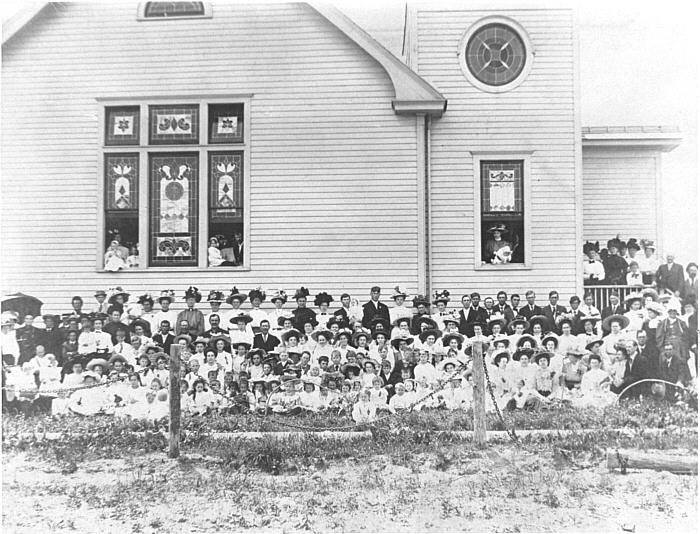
(174, 448)
(479, 394)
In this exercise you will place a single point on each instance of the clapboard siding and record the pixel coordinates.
(332, 168)
(537, 116)
(609, 207)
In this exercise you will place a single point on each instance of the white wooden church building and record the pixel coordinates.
(340, 165)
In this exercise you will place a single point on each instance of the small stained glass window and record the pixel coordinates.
(225, 123)
(174, 125)
(173, 9)
(496, 54)
(122, 125)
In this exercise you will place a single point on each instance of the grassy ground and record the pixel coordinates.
(406, 478)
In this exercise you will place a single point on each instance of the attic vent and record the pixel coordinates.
(173, 9)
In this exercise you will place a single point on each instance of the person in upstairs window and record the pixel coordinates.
(498, 250)
(214, 255)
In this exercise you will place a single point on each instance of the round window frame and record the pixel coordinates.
(524, 37)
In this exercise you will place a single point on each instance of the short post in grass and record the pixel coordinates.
(479, 393)
(174, 443)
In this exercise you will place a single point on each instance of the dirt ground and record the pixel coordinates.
(503, 489)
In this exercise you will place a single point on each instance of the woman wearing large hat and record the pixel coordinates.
(615, 325)
(236, 295)
(302, 314)
(238, 329)
(194, 317)
(278, 299)
(399, 309)
(118, 296)
(452, 341)
(636, 314)
(497, 250)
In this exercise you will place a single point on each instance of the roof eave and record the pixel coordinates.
(19, 20)
(662, 142)
(409, 87)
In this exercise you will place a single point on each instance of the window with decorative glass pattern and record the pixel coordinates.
(173, 9)
(502, 212)
(185, 161)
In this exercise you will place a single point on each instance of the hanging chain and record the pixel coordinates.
(510, 432)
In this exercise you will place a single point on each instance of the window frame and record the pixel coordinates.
(524, 37)
(144, 148)
(505, 156)
(141, 14)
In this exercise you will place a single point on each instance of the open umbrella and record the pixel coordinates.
(22, 304)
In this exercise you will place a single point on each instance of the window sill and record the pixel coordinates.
(503, 267)
(139, 271)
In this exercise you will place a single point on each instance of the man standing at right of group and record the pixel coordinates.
(670, 276)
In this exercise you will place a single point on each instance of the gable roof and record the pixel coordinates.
(412, 94)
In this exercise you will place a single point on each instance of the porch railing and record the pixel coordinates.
(601, 294)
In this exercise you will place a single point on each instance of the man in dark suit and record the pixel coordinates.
(648, 350)
(503, 307)
(636, 368)
(215, 330)
(52, 338)
(670, 276)
(553, 311)
(690, 284)
(471, 313)
(673, 369)
(374, 308)
(264, 340)
(164, 338)
(238, 248)
(530, 308)
(614, 308)
(28, 337)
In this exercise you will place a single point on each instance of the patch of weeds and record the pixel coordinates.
(551, 499)
(442, 461)
(448, 508)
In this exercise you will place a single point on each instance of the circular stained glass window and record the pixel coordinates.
(495, 54)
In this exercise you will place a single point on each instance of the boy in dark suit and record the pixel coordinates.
(164, 338)
(615, 308)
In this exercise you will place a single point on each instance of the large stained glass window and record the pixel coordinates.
(502, 211)
(121, 206)
(173, 208)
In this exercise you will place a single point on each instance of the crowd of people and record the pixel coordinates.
(623, 263)
(113, 356)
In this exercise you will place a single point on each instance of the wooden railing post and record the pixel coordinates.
(479, 394)
(174, 440)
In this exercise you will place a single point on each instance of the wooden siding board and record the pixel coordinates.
(537, 117)
(322, 135)
(608, 178)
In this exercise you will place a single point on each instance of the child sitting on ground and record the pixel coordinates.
(364, 411)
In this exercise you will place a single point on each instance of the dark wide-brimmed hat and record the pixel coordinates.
(282, 318)
(116, 292)
(430, 332)
(146, 297)
(526, 337)
(624, 321)
(216, 296)
(498, 228)
(517, 321)
(193, 293)
(598, 342)
(290, 333)
(538, 319)
(522, 352)
(441, 296)
(396, 342)
(323, 332)
(257, 293)
(322, 298)
(449, 337)
(242, 316)
(235, 294)
(500, 355)
(546, 355)
(302, 292)
(420, 299)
